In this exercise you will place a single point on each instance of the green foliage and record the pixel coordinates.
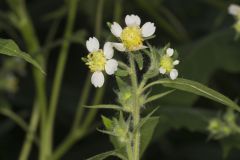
(107, 154)
(203, 57)
(107, 122)
(121, 73)
(139, 59)
(147, 131)
(106, 106)
(10, 48)
(158, 96)
(198, 89)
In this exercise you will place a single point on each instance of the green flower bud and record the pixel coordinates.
(125, 99)
(214, 126)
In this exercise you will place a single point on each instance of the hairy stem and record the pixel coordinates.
(136, 108)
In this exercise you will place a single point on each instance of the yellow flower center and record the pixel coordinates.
(167, 63)
(132, 38)
(96, 61)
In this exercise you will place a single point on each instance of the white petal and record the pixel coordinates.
(97, 79)
(170, 52)
(116, 29)
(111, 66)
(108, 50)
(92, 44)
(148, 29)
(132, 20)
(119, 46)
(234, 9)
(162, 70)
(173, 74)
(176, 62)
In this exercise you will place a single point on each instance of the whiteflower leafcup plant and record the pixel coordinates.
(130, 131)
(142, 67)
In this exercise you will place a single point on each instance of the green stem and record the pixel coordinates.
(78, 131)
(83, 99)
(59, 73)
(14, 117)
(129, 151)
(136, 108)
(87, 85)
(92, 113)
(33, 45)
(98, 24)
(24, 154)
(25, 26)
(118, 10)
(67, 144)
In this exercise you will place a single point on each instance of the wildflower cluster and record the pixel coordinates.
(133, 94)
(131, 40)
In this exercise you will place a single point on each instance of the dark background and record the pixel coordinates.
(202, 32)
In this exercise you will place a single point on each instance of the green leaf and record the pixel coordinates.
(9, 48)
(106, 106)
(157, 96)
(139, 59)
(198, 89)
(104, 155)
(154, 62)
(107, 122)
(121, 73)
(145, 119)
(147, 131)
(217, 51)
(121, 84)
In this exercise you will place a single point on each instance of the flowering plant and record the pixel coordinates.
(131, 132)
(146, 75)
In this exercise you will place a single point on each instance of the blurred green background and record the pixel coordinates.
(202, 32)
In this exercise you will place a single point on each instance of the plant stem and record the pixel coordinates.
(83, 99)
(67, 144)
(24, 25)
(14, 117)
(87, 85)
(136, 108)
(118, 10)
(59, 73)
(30, 134)
(98, 24)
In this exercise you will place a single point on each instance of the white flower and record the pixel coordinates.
(99, 60)
(132, 36)
(234, 9)
(167, 64)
